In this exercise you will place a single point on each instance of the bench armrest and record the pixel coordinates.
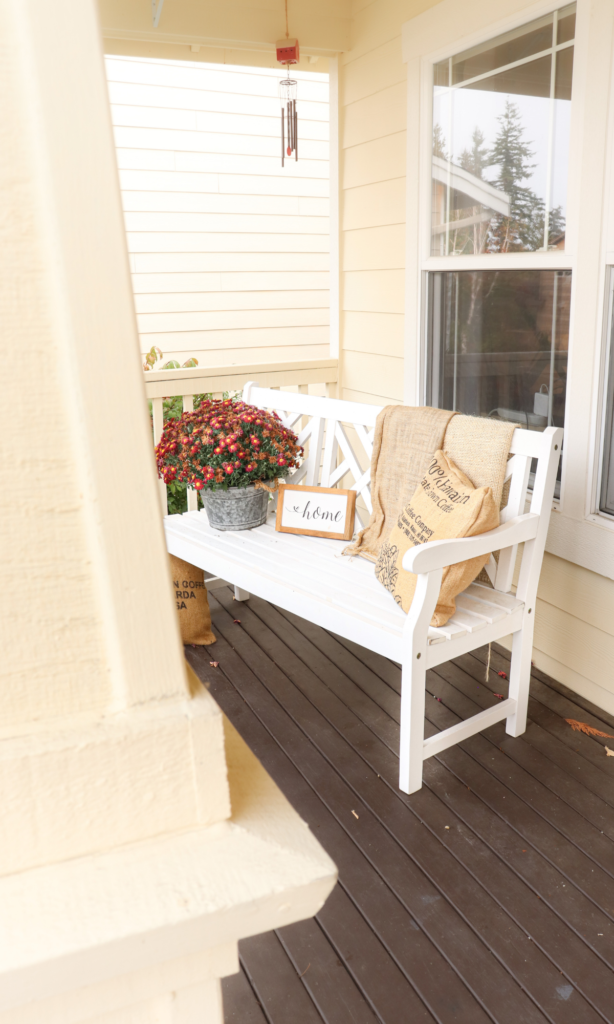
(437, 554)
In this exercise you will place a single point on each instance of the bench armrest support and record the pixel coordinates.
(437, 554)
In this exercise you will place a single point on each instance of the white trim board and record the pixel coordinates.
(335, 193)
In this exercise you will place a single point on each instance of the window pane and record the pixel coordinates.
(567, 24)
(500, 149)
(606, 502)
(504, 50)
(497, 344)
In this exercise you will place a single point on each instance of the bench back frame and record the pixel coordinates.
(338, 436)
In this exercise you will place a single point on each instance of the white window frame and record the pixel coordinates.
(600, 385)
(578, 531)
(602, 391)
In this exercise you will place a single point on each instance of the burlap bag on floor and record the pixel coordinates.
(403, 445)
(445, 505)
(192, 603)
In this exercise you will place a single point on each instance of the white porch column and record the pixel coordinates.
(131, 859)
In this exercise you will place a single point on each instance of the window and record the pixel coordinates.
(489, 325)
(497, 329)
(606, 497)
(501, 117)
(498, 344)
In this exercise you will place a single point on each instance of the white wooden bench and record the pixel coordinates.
(310, 576)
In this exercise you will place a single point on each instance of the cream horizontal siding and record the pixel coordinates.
(187, 262)
(228, 250)
(574, 627)
(373, 143)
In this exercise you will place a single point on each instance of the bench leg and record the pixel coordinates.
(413, 689)
(413, 680)
(520, 677)
(241, 595)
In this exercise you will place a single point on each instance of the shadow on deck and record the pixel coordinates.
(486, 897)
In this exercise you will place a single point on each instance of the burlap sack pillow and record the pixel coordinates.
(192, 603)
(445, 504)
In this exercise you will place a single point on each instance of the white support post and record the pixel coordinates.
(413, 683)
(303, 389)
(241, 595)
(188, 406)
(335, 224)
(157, 409)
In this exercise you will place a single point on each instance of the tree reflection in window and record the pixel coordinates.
(501, 116)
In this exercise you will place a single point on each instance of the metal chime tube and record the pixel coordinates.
(289, 120)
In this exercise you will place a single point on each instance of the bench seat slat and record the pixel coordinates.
(507, 602)
(488, 612)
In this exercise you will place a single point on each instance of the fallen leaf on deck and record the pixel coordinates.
(238, 621)
(586, 728)
(502, 674)
(214, 664)
(608, 752)
(499, 695)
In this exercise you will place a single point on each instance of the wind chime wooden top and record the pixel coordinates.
(287, 54)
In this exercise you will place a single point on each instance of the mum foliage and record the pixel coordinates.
(225, 444)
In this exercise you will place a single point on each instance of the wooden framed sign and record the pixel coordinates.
(316, 511)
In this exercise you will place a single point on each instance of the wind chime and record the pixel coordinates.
(287, 96)
(287, 54)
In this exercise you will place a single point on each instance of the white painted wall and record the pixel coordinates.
(228, 250)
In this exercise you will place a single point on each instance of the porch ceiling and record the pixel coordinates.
(322, 26)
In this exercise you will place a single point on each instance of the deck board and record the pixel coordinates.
(241, 1005)
(505, 916)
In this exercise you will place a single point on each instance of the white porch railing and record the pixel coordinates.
(185, 383)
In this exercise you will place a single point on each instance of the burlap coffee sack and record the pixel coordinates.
(445, 505)
(192, 603)
(480, 447)
(403, 445)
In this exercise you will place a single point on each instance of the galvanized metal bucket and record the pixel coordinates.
(238, 508)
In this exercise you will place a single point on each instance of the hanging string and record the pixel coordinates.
(287, 33)
(488, 663)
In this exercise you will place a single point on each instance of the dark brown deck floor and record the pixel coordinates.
(487, 896)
